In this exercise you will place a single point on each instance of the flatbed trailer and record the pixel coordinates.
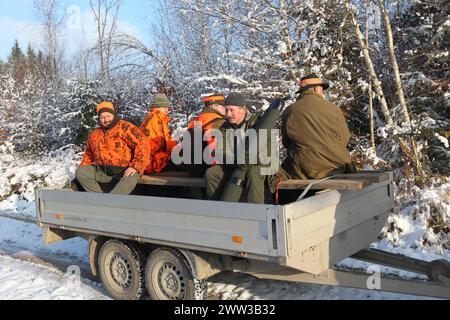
(171, 246)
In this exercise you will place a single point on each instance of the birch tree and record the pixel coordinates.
(106, 14)
(393, 60)
(368, 60)
(52, 17)
(409, 149)
(371, 115)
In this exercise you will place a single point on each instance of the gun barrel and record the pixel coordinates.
(270, 117)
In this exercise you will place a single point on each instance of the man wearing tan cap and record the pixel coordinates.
(315, 134)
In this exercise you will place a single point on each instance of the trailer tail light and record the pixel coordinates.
(238, 239)
(59, 216)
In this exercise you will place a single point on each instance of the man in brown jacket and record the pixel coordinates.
(315, 135)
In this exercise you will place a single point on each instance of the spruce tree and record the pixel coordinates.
(32, 60)
(2, 67)
(17, 63)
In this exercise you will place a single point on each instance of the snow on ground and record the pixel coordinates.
(230, 286)
(19, 178)
(421, 228)
(20, 280)
(26, 238)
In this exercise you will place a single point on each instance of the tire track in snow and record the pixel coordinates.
(38, 254)
(18, 217)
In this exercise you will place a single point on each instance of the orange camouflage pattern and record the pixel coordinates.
(123, 146)
(159, 135)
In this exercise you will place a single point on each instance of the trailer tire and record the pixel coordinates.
(168, 276)
(121, 267)
(439, 271)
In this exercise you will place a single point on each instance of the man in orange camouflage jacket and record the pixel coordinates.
(117, 151)
(159, 135)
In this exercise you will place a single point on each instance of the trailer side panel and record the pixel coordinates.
(234, 227)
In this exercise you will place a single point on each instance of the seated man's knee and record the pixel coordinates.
(83, 173)
(254, 172)
(134, 179)
(214, 173)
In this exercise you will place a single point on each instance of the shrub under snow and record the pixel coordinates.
(19, 177)
(422, 221)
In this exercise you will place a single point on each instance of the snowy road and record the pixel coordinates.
(21, 280)
(29, 270)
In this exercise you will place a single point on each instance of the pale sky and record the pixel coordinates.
(18, 21)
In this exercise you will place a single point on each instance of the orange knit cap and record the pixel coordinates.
(106, 107)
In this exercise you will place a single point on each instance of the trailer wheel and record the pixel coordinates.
(439, 271)
(168, 276)
(121, 268)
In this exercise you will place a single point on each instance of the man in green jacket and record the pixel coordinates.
(315, 135)
(238, 117)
